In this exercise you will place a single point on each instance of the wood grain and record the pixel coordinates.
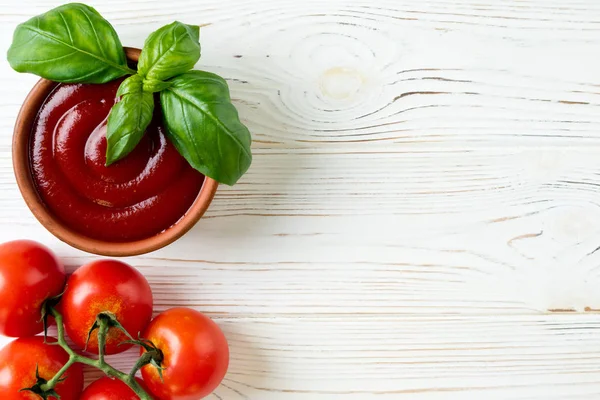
(421, 220)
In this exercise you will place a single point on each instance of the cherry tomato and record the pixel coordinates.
(29, 274)
(195, 351)
(18, 361)
(110, 389)
(106, 285)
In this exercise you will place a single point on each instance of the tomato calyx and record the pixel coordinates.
(38, 387)
(152, 356)
(46, 310)
(104, 321)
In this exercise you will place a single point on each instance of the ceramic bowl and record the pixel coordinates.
(22, 169)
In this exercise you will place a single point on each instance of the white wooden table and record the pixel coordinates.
(422, 217)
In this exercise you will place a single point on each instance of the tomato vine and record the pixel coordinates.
(45, 389)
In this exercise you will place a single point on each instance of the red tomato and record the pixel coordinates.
(195, 351)
(18, 361)
(29, 274)
(110, 389)
(106, 285)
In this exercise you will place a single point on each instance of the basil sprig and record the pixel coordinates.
(73, 43)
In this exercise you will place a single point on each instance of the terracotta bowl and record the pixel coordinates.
(21, 165)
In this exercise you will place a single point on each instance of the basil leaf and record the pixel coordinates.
(70, 43)
(204, 126)
(128, 119)
(170, 51)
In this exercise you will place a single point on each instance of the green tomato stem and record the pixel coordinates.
(100, 363)
(54, 381)
(143, 360)
(102, 332)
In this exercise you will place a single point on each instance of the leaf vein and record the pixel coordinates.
(67, 27)
(95, 33)
(50, 59)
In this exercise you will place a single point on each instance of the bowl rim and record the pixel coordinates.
(22, 170)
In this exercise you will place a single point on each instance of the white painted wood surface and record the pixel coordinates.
(422, 217)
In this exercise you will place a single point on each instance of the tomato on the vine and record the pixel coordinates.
(107, 388)
(195, 355)
(19, 360)
(106, 286)
(30, 274)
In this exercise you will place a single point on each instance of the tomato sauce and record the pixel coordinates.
(135, 198)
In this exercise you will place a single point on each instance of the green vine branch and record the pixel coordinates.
(46, 388)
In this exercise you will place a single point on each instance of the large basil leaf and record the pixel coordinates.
(205, 127)
(128, 119)
(170, 51)
(70, 43)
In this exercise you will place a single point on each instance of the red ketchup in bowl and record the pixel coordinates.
(135, 198)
